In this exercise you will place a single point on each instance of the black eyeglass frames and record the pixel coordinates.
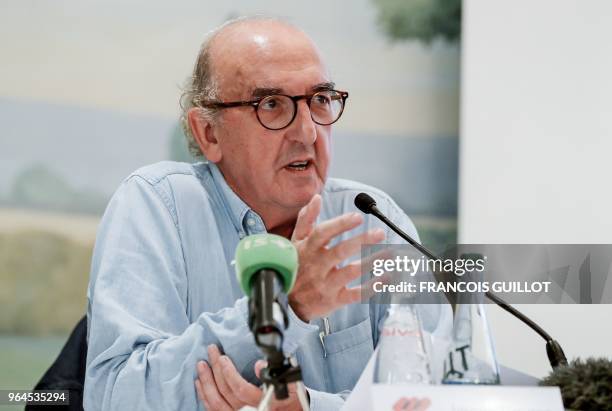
(278, 111)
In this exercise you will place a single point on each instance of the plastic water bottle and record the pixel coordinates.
(402, 355)
(471, 358)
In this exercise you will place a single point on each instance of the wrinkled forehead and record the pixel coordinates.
(265, 55)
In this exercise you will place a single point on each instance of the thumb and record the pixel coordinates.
(260, 365)
(306, 218)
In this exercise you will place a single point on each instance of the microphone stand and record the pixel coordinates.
(555, 353)
(277, 377)
(266, 266)
(280, 370)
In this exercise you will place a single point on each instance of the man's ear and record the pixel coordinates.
(204, 134)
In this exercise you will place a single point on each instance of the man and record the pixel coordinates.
(163, 296)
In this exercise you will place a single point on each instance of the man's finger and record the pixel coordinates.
(211, 395)
(352, 246)
(367, 288)
(350, 272)
(241, 388)
(343, 276)
(200, 392)
(424, 404)
(385, 253)
(260, 365)
(307, 218)
(214, 356)
(400, 404)
(349, 295)
(199, 389)
(327, 230)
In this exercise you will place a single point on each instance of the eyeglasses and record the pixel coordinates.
(278, 111)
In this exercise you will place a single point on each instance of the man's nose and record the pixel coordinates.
(302, 129)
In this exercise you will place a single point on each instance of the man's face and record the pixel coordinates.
(250, 61)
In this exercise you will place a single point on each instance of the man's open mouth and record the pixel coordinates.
(299, 165)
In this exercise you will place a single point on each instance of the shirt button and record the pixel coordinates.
(251, 222)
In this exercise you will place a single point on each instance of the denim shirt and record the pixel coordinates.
(162, 288)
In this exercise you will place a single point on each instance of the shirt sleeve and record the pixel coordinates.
(142, 348)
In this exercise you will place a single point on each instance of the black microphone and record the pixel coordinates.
(556, 356)
(266, 267)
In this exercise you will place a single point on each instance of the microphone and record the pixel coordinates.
(266, 267)
(584, 384)
(366, 204)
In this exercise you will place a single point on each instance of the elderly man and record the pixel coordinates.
(165, 309)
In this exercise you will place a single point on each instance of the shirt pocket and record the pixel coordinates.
(348, 352)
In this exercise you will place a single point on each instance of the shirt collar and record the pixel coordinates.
(237, 208)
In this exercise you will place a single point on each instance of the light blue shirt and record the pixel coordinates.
(162, 289)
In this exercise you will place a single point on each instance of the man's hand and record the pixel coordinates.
(321, 287)
(412, 404)
(221, 387)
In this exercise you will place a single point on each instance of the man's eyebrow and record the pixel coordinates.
(328, 85)
(260, 92)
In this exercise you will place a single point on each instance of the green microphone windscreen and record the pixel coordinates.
(265, 251)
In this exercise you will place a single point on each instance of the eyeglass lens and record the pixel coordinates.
(277, 111)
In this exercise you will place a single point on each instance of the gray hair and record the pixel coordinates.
(202, 85)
